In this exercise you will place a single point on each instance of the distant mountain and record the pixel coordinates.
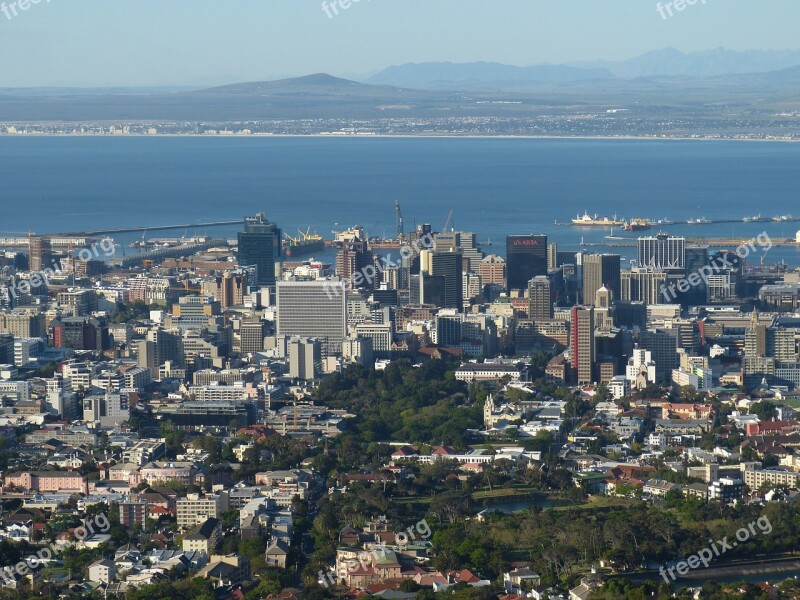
(443, 90)
(312, 96)
(670, 62)
(318, 82)
(481, 75)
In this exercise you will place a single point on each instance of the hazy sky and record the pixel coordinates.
(189, 42)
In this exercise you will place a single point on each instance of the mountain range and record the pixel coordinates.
(668, 62)
(660, 84)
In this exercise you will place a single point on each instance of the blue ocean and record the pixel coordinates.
(494, 187)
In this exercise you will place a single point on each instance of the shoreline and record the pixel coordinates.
(402, 136)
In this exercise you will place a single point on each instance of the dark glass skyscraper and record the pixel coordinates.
(260, 247)
(526, 257)
(446, 264)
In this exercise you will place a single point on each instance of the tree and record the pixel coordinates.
(764, 410)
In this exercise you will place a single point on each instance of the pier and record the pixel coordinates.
(133, 229)
(713, 242)
(186, 249)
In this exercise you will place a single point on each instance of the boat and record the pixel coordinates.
(782, 218)
(664, 222)
(700, 221)
(348, 236)
(635, 224)
(305, 243)
(587, 221)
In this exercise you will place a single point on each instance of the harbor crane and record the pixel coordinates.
(446, 223)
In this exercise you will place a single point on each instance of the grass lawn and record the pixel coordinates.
(597, 502)
(503, 492)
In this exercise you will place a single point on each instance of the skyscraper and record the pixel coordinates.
(552, 256)
(600, 270)
(540, 298)
(355, 257)
(662, 252)
(41, 253)
(315, 309)
(260, 247)
(643, 285)
(526, 257)
(582, 344)
(447, 264)
(696, 259)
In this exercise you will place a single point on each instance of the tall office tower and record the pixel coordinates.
(600, 270)
(305, 358)
(643, 285)
(41, 253)
(147, 357)
(251, 336)
(696, 259)
(460, 241)
(493, 270)
(540, 298)
(7, 349)
(755, 340)
(664, 347)
(260, 247)
(354, 263)
(229, 288)
(526, 257)
(552, 256)
(169, 346)
(445, 264)
(468, 244)
(582, 344)
(663, 252)
(315, 309)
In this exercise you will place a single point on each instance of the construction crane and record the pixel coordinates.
(399, 219)
(446, 223)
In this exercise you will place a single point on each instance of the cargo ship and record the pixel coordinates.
(305, 243)
(588, 221)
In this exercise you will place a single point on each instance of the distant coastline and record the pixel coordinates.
(338, 136)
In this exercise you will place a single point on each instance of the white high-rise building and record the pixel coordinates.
(313, 309)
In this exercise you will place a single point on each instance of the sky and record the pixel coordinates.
(95, 43)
